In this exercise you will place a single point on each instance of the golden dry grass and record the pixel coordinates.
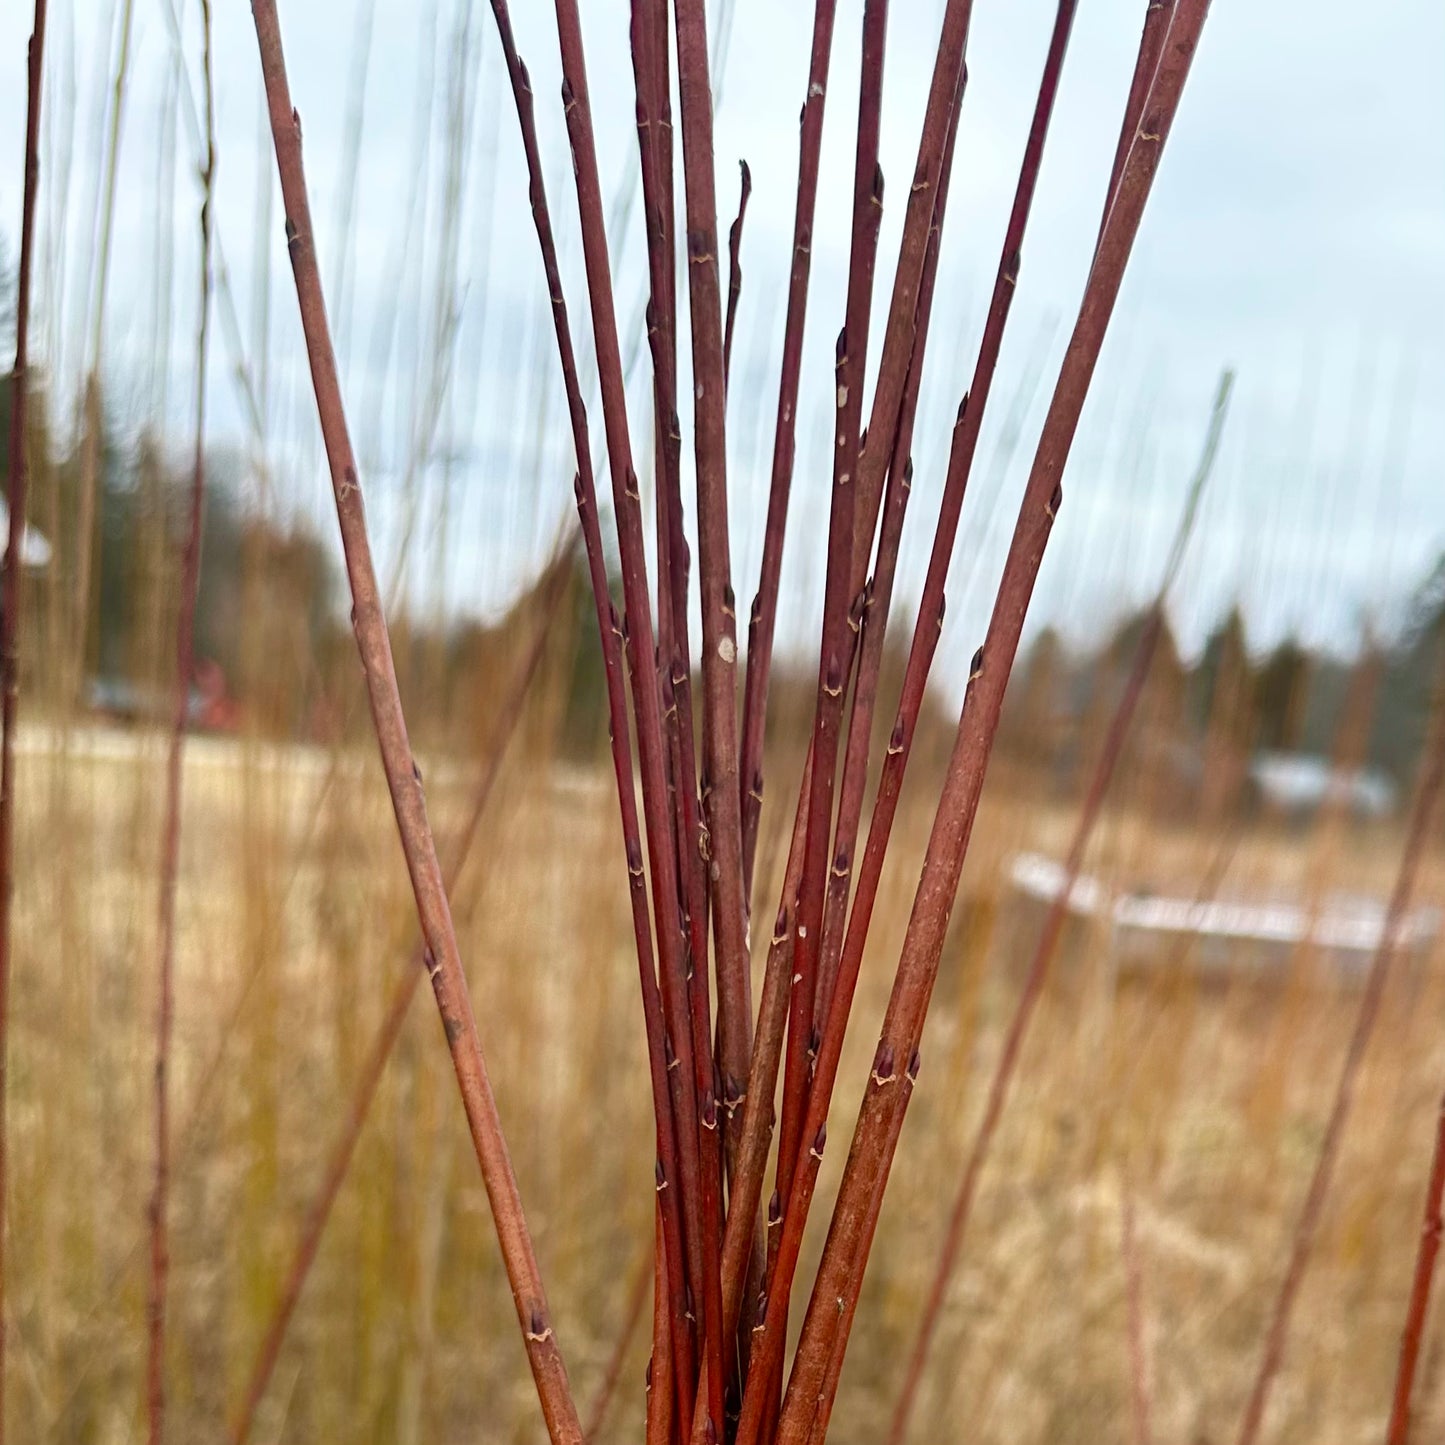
(1207, 1095)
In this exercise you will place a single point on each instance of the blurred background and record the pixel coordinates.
(1199, 1008)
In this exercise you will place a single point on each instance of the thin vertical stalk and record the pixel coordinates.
(1134, 1305)
(171, 828)
(845, 1253)
(659, 1376)
(664, 1010)
(750, 1168)
(719, 608)
(443, 960)
(735, 268)
(925, 641)
(1049, 935)
(631, 1318)
(764, 612)
(699, 1127)
(898, 331)
(1432, 769)
(90, 449)
(835, 655)
(1398, 1432)
(318, 1212)
(878, 594)
(692, 842)
(17, 492)
(1157, 14)
(828, 1387)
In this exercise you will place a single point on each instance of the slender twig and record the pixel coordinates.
(902, 307)
(318, 1212)
(1052, 930)
(718, 605)
(878, 597)
(845, 1254)
(1432, 769)
(443, 960)
(171, 828)
(91, 441)
(659, 1376)
(764, 613)
(1134, 1303)
(835, 655)
(17, 492)
(735, 268)
(637, 1293)
(1429, 1249)
(1157, 14)
(925, 641)
(674, 1106)
(750, 1168)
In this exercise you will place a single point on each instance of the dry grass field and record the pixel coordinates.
(1202, 1094)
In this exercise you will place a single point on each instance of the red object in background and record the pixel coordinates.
(212, 706)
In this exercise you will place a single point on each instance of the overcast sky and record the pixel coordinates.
(1296, 233)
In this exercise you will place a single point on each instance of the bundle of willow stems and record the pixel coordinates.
(737, 1087)
(726, 1265)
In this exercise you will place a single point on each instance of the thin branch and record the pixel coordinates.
(878, 595)
(443, 960)
(1157, 15)
(637, 1293)
(925, 640)
(735, 269)
(171, 834)
(1134, 1292)
(1049, 935)
(674, 1105)
(763, 617)
(845, 1254)
(903, 305)
(17, 493)
(718, 604)
(750, 1168)
(1429, 1249)
(338, 1165)
(837, 649)
(1432, 769)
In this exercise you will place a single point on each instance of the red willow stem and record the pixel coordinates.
(171, 829)
(719, 608)
(443, 960)
(631, 1317)
(925, 641)
(757, 1122)
(673, 1104)
(878, 599)
(764, 613)
(845, 1253)
(828, 1388)
(649, 37)
(1134, 1290)
(691, 837)
(17, 491)
(735, 269)
(835, 657)
(318, 1213)
(698, 1123)
(1049, 935)
(903, 306)
(1432, 768)
(1157, 14)
(1414, 1331)
(659, 1376)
